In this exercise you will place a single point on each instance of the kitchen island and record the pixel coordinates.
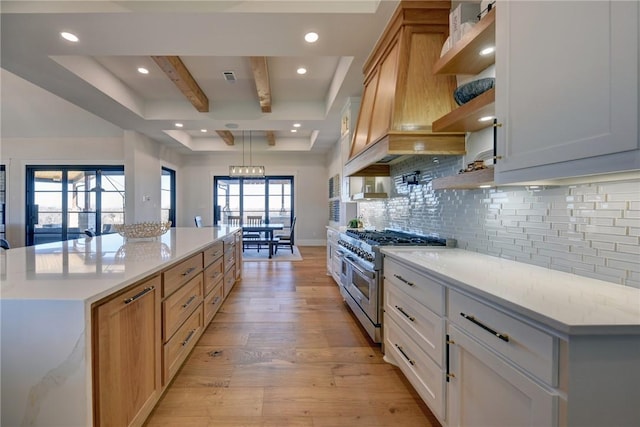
(490, 341)
(51, 296)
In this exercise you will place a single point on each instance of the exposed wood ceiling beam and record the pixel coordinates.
(226, 136)
(261, 76)
(271, 137)
(175, 69)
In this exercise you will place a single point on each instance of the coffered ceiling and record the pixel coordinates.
(189, 48)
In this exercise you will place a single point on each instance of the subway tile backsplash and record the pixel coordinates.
(591, 230)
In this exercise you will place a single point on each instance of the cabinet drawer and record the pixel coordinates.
(526, 346)
(180, 305)
(229, 259)
(229, 242)
(425, 376)
(229, 281)
(179, 346)
(213, 275)
(423, 325)
(174, 277)
(417, 286)
(212, 303)
(213, 252)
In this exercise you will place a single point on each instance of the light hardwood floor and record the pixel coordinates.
(284, 350)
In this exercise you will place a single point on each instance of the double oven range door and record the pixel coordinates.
(363, 288)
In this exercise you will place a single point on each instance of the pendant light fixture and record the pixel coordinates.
(247, 171)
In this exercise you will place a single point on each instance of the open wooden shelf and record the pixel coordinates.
(465, 118)
(464, 57)
(466, 180)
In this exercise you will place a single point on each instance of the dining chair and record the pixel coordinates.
(234, 220)
(252, 238)
(287, 239)
(4, 244)
(89, 233)
(198, 220)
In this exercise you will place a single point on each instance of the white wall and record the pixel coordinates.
(310, 188)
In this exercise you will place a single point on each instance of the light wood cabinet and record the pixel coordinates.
(401, 97)
(176, 276)
(238, 257)
(178, 306)
(181, 343)
(567, 91)
(126, 355)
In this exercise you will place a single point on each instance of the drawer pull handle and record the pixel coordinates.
(186, 341)
(139, 295)
(189, 301)
(401, 310)
(402, 279)
(405, 354)
(216, 253)
(503, 337)
(188, 272)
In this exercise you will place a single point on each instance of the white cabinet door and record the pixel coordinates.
(567, 88)
(484, 390)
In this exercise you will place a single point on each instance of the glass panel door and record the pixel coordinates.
(168, 196)
(227, 199)
(270, 197)
(62, 202)
(253, 198)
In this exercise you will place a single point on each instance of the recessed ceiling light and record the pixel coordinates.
(311, 37)
(231, 126)
(296, 125)
(486, 118)
(294, 130)
(484, 186)
(203, 130)
(487, 50)
(179, 125)
(143, 70)
(301, 70)
(69, 36)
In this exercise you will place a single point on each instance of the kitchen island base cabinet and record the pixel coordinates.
(127, 356)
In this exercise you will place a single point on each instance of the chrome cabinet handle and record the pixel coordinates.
(189, 301)
(188, 272)
(139, 294)
(401, 310)
(186, 341)
(472, 319)
(402, 279)
(405, 355)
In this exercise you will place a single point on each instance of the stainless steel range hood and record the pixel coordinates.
(402, 97)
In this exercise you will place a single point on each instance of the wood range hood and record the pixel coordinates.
(401, 96)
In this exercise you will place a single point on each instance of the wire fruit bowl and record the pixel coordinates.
(142, 230)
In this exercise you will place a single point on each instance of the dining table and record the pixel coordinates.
(268, 229)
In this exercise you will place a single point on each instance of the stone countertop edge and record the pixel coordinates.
(545, 319)
(100, 286)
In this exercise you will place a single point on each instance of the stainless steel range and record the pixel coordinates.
(361, 271)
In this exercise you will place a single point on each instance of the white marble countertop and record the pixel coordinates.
(565, 302)
(89, 269)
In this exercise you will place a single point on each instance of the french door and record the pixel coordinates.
(168, 196)
(270, 197)
(63, 201)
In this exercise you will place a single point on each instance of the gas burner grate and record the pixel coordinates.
(395, 238)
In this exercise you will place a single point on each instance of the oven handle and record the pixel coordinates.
(369, 274)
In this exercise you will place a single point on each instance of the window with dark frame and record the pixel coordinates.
(168, 196)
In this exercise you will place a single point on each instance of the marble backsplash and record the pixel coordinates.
(589, 229)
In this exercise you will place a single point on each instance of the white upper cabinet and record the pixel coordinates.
(567, 88)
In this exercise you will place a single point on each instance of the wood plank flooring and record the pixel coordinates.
(284, 350)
